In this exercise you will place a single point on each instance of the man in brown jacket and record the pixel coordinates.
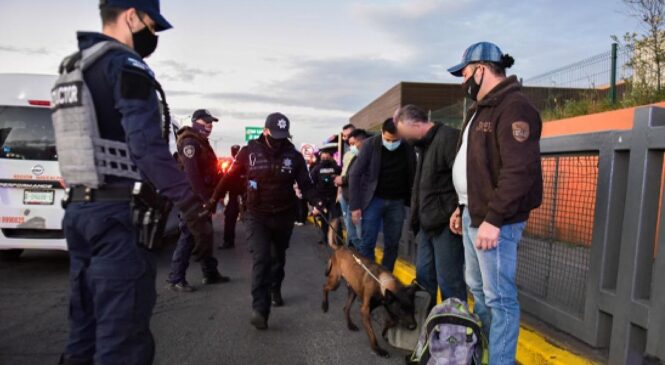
(498, 179)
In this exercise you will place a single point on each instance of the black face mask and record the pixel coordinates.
(145, 42)
(471, 87)
(275, 144)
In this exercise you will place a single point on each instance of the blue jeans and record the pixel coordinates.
(389, 214)
(352, 232)
(440, 264)
(490, 276)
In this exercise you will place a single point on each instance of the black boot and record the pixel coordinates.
(259, 321)
(215, 278)
(277, 300)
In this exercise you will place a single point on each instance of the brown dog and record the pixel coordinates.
(373, 284)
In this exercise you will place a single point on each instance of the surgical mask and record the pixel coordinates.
(145, 42)
(201, 129)
(471, 87)
(391, 146)
(354, 150)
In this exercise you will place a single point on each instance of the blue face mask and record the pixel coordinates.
(391, 146)
(354, 150)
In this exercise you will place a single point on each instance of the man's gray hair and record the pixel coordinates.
(411, 113)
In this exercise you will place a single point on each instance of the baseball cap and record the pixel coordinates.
(150, 7)
(205, 115)
(278, 125)
(477, 52)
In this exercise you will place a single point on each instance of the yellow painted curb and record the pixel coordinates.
(532, 348)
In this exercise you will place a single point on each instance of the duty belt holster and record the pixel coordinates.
(150, 211)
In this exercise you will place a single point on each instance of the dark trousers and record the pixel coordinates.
(268, 238)
(301, 211)
(332, 211)
(183, 253)
(440, 264)
(231, 213)
(112, 286)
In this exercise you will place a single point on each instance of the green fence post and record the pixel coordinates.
(613, 75)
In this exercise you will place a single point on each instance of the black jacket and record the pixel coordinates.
(199, 162)
(345, 180)
(270, 175)
(434, 199)
(323, 177)
(364, 174)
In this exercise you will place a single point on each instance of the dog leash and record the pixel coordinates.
(356, 258)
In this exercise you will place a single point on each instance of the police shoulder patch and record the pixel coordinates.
(136, 79)
(521, 131)
(189, 151)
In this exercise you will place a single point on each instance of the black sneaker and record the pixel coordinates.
(182, 287)
(259, 321)
(277, 300)
(216, 278)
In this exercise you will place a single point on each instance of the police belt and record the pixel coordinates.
(78, 194)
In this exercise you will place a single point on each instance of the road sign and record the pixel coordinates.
(252, 133)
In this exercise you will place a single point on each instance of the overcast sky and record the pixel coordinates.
(319, 61)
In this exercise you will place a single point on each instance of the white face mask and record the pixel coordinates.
(391, 146)
(354, 150)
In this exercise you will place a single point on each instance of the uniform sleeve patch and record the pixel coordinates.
(189, 151)
(521, 131)
(135, 85)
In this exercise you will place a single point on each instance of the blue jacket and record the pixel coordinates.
(125, 98)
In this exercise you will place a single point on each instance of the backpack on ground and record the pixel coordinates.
(451, 336)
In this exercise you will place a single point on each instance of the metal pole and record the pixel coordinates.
(613, 75)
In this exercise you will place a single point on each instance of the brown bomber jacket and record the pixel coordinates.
(504, 174)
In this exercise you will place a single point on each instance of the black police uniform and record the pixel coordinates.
(232, 209)
(202, 169)
(112, 277)
(270, 208)
(323, 175)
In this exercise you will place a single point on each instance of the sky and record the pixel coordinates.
(318, 62)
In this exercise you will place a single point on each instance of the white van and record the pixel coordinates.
(31, 187)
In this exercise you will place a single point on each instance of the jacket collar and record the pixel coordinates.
(89, 39)
(429, 136)
(496, 95)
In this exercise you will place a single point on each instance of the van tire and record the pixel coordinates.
(10, 255)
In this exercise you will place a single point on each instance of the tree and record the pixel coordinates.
(649, 49)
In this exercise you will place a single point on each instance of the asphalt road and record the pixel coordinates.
(210, 326)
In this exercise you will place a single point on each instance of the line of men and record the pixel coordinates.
(470, 193)
(495, 173)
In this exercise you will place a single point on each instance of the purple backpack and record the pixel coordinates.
(451, 336)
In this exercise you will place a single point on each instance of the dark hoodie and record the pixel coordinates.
(504, 175)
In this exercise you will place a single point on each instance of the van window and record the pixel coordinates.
(26, 134)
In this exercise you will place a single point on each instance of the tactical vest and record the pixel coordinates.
(83, 156)
(270, 178)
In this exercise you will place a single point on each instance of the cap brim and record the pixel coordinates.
(457, 70)
(210, 119)
(279, 134)
(160, 22)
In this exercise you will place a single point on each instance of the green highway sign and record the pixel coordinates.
(252, 133)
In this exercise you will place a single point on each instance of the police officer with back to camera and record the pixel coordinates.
(111, 125)
(201, 167)
(232, 209)
(271, 165)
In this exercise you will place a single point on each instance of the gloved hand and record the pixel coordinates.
(197, 218)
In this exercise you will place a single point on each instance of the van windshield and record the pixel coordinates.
(26, 134)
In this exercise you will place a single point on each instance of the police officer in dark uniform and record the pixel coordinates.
(202, 169)
(232, 209)
(323, 175)
(112, 276)
(271, 165)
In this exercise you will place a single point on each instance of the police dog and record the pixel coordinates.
(373, 284)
